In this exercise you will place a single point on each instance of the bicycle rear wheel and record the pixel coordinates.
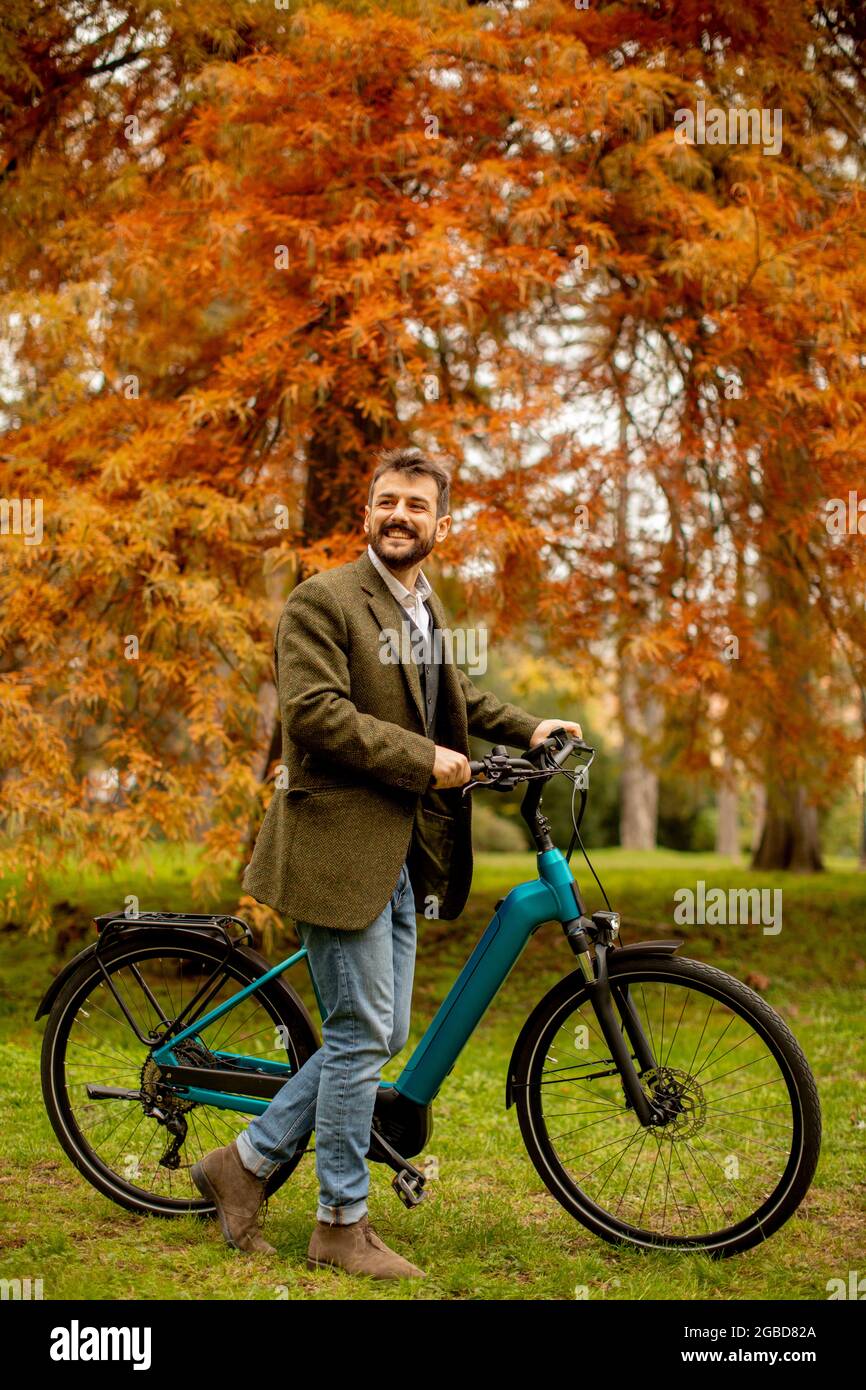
(741, 1145)
(114, 1143)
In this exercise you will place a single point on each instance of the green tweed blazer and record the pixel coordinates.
(359, 763)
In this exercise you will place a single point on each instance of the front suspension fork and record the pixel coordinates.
(609, 1017)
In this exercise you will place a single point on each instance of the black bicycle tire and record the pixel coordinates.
(246, 966)
(540, 1028)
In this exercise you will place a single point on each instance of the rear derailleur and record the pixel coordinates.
(165, 1106)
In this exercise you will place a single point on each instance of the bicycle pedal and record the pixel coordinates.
(409, 1188)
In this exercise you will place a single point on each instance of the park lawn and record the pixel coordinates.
(490, 1230)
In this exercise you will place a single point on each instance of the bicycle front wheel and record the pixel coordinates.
(740, 1147)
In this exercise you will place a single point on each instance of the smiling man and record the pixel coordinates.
(372, 824)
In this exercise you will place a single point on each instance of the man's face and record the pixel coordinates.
(401, 525)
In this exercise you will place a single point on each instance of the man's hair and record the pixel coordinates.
(413, 461)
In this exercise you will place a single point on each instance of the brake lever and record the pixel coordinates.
(491, 762)
(502, 763)
(476, 782)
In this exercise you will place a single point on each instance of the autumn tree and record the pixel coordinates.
(350, 233)
(244, 247)
(726, 321)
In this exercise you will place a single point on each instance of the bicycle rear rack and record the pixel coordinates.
(111, 925)
(108, 924)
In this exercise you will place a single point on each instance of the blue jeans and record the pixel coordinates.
(365, 982)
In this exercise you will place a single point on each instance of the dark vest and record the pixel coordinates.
(425, 855)
(428, 669)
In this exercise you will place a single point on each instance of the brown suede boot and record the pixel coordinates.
(359, 1250)
(237, 1195)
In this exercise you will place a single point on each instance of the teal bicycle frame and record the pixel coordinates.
(552, 897)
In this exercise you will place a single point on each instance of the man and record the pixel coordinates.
(372, 822)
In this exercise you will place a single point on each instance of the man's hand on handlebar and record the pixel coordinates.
(547, 726)
(450, 768)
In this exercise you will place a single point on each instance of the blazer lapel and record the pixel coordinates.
(387, 613)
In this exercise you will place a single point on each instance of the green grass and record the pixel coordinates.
(490, 1230)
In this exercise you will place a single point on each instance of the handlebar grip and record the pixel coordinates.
(475, 767)
(564, 752)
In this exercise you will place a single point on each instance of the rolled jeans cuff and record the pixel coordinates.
(342, 1216)
(258, 1164)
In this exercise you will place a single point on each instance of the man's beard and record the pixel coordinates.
(409, 554)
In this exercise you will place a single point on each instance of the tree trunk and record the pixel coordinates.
(790, 837)
(727, 802)
(863, 787)
(639, 783)
(639, 715)
(759, 802)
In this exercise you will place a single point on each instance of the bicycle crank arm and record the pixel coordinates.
(409, 1181)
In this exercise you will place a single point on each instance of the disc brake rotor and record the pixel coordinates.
(681, 1098)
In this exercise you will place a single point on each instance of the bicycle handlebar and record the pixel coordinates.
(498, 760)
(505, 769)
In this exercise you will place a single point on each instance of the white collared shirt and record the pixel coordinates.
(411, 599)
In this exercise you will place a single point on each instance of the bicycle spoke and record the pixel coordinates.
(674, 1185)
(131, 1137)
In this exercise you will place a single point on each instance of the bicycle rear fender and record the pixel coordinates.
(111, 924)
(638, 948)
(60, 979)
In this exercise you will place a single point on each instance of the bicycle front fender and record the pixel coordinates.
(641, 949)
